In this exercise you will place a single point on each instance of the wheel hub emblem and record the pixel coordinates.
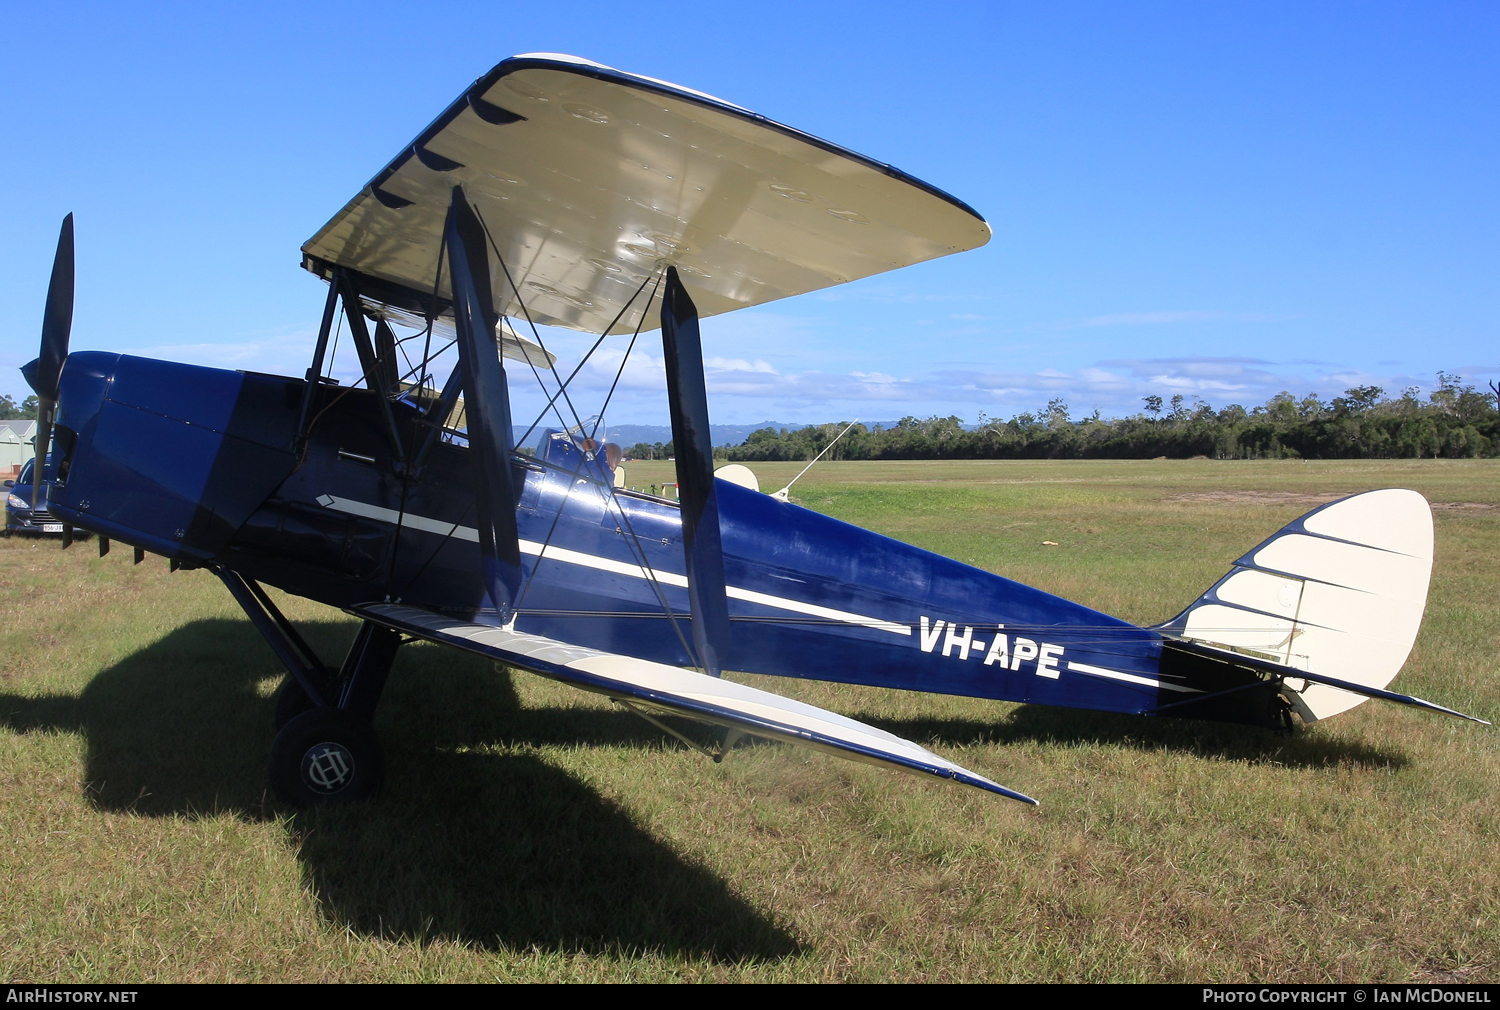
(327, 767)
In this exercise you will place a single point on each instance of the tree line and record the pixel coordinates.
(1455, 421)
(12, 411)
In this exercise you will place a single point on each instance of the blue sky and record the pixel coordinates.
(1215, 199)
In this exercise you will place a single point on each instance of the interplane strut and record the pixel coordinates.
(487, 405)
(687, 396)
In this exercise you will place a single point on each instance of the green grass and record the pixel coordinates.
(531, 832)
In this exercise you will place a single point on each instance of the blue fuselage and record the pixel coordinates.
(198, 464)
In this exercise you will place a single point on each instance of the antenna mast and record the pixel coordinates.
(785, 493)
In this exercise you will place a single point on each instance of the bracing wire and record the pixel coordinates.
(632, 540)
(1102, 640)
(536, 335)
(594, 435)
(563, 391)
(611, 505)
(573, 374)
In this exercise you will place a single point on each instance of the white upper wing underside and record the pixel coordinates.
(610, 175)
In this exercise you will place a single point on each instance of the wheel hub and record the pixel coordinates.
(327, 767)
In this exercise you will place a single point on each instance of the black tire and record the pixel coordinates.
(324, 757)
(291, 701)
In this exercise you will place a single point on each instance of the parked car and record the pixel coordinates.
(20, 517)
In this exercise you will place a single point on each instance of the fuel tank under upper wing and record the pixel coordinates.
(682, 692)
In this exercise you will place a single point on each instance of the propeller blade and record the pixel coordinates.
(43, 373)
(46, 410)
(57, 324)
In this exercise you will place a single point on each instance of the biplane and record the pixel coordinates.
(559, 192)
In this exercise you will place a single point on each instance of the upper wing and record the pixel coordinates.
(683, 692)
(587, 178)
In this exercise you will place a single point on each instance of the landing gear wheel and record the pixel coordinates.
(292, 701)
(324, 757)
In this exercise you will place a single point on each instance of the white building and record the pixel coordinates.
(15, 445)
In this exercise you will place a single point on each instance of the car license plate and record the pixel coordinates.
(52, 527)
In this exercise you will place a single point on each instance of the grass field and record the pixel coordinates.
(529, 832)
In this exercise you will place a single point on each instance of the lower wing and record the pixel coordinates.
(638, 682)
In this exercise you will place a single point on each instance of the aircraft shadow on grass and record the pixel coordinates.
(496, 850)
(1045, 724)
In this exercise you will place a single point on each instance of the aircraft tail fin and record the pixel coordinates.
(1339, 593)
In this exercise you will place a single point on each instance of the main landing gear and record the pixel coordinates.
(326, 756)
(326, 751)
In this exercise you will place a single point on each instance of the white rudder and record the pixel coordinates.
(1340, 592)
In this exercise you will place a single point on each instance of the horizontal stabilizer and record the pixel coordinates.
(1400, 699)
(1293, 676)
(680, 692)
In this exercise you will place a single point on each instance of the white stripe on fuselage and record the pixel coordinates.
(555, 553)
(1129, 678)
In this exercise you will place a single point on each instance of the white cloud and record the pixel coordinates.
(1114, 387)
(737, 365)
(771, 385)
